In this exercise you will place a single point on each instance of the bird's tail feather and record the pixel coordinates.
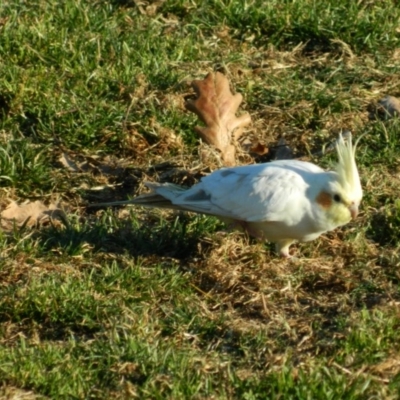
(152, 200)
(169, 196)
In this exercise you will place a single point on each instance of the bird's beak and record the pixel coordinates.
(353, 210)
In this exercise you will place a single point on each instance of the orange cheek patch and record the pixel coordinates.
(324, 200)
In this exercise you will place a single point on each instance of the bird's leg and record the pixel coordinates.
(233, 224)
(246, 227)
(282, 247)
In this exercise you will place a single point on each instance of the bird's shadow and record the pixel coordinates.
(177, 237)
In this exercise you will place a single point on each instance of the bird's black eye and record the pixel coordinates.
(337, 198)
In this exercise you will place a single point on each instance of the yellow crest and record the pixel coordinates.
(347, 167)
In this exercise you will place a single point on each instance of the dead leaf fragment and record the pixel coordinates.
(83, 163)
(259, 149)
(149, 8)
(168, 138)
(13, 393)
(386, 108)
(391, 364)
(68, 163)
(30, 213)
(216, 106)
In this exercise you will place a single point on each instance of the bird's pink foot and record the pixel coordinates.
(282, 247)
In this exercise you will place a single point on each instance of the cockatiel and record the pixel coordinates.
(281, 201)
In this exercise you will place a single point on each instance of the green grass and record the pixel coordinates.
(134, 303)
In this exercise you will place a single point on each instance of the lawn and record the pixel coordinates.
(127, 302)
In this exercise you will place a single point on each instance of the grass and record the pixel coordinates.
(129, 303)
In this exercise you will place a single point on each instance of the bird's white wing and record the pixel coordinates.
(263, 192)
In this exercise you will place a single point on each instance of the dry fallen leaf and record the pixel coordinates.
(68, 163)
(76, 163)
(391, 364)
(167, 137)
(30, 214)
(387, 108)
(216, 106)
(81, 163)
(148, 9)
(259, 149)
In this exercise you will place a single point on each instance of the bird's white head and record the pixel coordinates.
(341, 195)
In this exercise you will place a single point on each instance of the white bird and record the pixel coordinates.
(281, 201)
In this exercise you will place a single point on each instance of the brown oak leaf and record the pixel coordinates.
(216, 106)
(30, 213)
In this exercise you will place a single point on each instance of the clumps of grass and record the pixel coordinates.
(316, 24)
(24, 166)
(385, 225)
